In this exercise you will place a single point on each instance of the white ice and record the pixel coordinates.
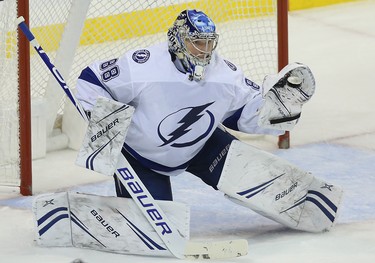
(335, 140)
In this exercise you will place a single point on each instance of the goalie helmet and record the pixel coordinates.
(193, 38)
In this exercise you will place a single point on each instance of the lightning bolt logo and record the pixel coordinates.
(194, 115)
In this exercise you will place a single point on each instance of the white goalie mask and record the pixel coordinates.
(192, 38)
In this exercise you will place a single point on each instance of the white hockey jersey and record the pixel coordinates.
(174, 116)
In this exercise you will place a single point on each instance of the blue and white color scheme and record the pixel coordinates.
(279, 190)
(105, 136)
(102, 223)
(180, 115)
(342, 153)
(174, 239)
(199, 22)
(190, 26)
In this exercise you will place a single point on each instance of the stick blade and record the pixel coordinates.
(217, 250)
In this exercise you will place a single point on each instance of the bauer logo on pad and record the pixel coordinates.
(105, 136)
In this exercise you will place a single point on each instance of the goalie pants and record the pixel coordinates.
(207, 165)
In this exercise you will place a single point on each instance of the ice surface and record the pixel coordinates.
(335, 140)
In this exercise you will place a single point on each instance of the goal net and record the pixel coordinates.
(9, 116)
(75, 33)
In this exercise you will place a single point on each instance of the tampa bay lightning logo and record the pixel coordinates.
(141, 56)
(252, 84)
(231, 65)
(201, 22)
(195, 123)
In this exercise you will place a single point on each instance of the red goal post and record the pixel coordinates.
(253, 34)
(282, 54)
(24, 98)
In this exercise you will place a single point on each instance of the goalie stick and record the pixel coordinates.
(175, 242)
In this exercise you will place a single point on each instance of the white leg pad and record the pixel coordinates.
(320, 207)
(274, 188)
(109, 224)
(52, 220)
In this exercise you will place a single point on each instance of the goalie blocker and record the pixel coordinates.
(105, 135)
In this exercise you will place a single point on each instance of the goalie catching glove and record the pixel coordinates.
(284, 95)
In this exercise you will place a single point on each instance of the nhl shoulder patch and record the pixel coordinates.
(231, 65)
(141, 56)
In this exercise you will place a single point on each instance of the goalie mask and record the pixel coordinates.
(192, 38)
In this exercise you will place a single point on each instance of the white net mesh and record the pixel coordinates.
(9, 134)
(247, 29)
